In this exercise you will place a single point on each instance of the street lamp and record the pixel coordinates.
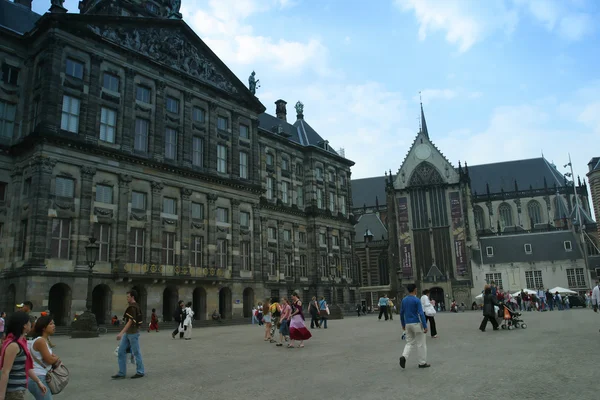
(85, 326)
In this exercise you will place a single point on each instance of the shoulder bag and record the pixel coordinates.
(57, 378)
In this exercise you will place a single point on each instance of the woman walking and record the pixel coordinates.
(42, 354)
(489, 313)
(15, 360)
(430, 312)
(297, 329)
(284, 320)
(313, 309)
(153, 322)
(267, 320)
(324, 312)
(187, 323)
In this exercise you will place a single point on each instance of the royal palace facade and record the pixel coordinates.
(119, 123)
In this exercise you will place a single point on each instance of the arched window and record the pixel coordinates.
(479, 218)
(535, 213)
(505, 215)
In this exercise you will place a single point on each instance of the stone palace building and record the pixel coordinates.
(121, 124)
(454, 228)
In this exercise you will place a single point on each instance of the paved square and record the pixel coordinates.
(356, 358)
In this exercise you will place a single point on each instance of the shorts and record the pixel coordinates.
(284, 329)
(267, 319)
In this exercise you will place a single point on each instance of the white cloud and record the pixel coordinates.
(427, 96)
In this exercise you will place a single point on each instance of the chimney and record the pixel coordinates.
(280, 110)
(26, 3)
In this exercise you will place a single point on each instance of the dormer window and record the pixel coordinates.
(568, 246)
(528, 249)
(489, 251)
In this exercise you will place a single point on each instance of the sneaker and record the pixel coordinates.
(403, 362)
(117, 376)
(137, 376)
(424, 365)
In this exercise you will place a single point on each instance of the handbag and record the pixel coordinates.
(327, 309)
(57, 378)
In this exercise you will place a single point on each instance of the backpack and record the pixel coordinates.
(277, 312)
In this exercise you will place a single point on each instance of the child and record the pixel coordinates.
(153, 322)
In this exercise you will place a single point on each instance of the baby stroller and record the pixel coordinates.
(509, 319)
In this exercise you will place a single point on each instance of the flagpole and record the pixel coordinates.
(581, 223)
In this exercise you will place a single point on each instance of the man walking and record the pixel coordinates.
(383, 303)
(179, 317)
(130, 337)
(414, 324)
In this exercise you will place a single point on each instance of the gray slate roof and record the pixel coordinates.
(366, 190)
(372, 223)
(546, 246)
(17, 17)
(594, 164)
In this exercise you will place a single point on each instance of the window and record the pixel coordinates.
(198, 114)
(102, 232)
(289, 264)
(244, 219)
(336, 268)
(285, 164)
(245, 256)
(284, 192)
(222, 123)
(221, 158)
(303, 267)
(70, 114)
(302, 237)
(10, 74)
(61, 238)
(222, 215)
(74, 68)
(270, 160)
(104, 194)
(342, 180)
(197, 211)
(198, 151)
(170, 144)
(568, 246)
(576, 278)
(269, 188)
(332, 201)
(272, 263)
(323, 265)
(346, 242)
(348, 268)
(197, 248)
(39, 71)
(169, 205)
(322, 239)
(528, 248)
(27, 187)
(24, 247)
(141, 135)
(535, 213)
(221, 253)
(3, 186)
(287, 235)
(331, 176)
(319, 173)
(243, 165)
(505, 214)
(172, 105)
(533, 279)
(65, 187)
(36, 113)
(7, 119)
(142, 93)
(108, 123)
(244, 131)
(136, 245)
(343, 205)
(478, 216)
(168, 248)
(336, 240)
(300, 196)
(299, 169)
(319, 198)
(272, 233)
(138, 201)
(489, 251)
(496, 278)
(110, 82)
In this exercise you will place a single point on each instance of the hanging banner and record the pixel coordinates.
(458, 233)
(405, 242)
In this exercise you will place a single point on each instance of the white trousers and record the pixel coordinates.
(188, 332)
(415, 338)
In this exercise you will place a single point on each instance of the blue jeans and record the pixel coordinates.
(36, 392)
(133, 340)
(323, 322)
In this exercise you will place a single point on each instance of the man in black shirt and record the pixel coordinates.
(130, 337)
(179, 317)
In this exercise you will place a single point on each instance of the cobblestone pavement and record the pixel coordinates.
(356, 358)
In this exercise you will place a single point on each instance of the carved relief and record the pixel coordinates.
(104, 212)
(235, 202)
(197, 225)
(157, 187)
(186, 193)
(124, 180)
(88, 172)
(169, 221)
(138, 217)
(425, 174)
(45, 164)
(64, 203)
(212, 197)
(222, 229)
(169, 48)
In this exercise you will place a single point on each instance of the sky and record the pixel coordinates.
(499, 79)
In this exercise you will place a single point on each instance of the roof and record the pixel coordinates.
(17, 17)
(372, 223)
(366, 190)
(546, 246)
(594, 164)
(583, 215)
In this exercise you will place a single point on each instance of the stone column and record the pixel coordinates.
(255, 157)
(156, 140)
(126, 133)
(211, 139)
(264, 243)
(156, 224)
(211, 229)
(89, 123)
(257, 248)
(185, 219)
(51, 86)
(39, 200)
(184, 142)
(235, 237)
(295, 253)
(84, 227)
(121, 253)
(12, 228)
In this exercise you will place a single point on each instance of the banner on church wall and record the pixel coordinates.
(405, 242)
(458, 233)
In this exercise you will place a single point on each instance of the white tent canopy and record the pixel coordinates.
(528, 291)
(562, 290)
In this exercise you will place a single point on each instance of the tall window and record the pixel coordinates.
(142, 93)
(197, 211)
(289, 264)
(272, 263)
(74, 68)
(222, 123)
(61, 238)
(533, 279)
(27, 187)
(169, 205)
(285, 164)
(332, 201)
(497, 279)
(272, 233)
(478, 216)
(108, 124)
(172, 105)
(221, 159)
(170, 144)
(270, 160)
(141, 135)
(138, 201)
(284, 192)
(136, 245)
(505, 214)
(300, 196)
(3, 191)
(343, 205)
(348, 263)
(102, 232)
(7, 119)
(323, 265)
(10, 74)
(244, 219)
(168, 248)
(110, 82)
(287, 235)
(243, 165)
(535, 212)
(319, 173)
(197, 248)
(221, 253)
(104, 194)
(336, 268)
(198, 115)
(319, 198)
(576, 277)
(70, 114)
(244, 131)
(65, 187)
(245, 256)
(24, 246)
(269, 188)
(322, 239)
(303, 267)
(197, 151)
(222, 215)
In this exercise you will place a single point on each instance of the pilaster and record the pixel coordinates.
(185, 228)
(84, 228)
(235, 237)
(39, 200)
(156, 224)
(211, 229)
(122, 221)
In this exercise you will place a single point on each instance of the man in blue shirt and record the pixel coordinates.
(414, 324)
(383, 305)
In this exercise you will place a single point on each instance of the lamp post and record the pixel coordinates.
(86, 326)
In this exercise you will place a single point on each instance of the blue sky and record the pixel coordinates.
(500, 79)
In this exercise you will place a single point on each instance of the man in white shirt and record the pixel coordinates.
(383, 305)
(596, 297)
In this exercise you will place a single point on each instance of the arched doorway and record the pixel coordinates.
(11, 299)
(101, 302)
(141, 299)
(59, 303)
(248, 302)
(199, 303)
(437, 294)
(225, 303)
(170, 299)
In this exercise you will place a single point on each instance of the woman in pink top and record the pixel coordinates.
(2, 322)
(284, 320)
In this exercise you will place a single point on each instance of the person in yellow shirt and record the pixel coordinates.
(391, 308)
(275, 310)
